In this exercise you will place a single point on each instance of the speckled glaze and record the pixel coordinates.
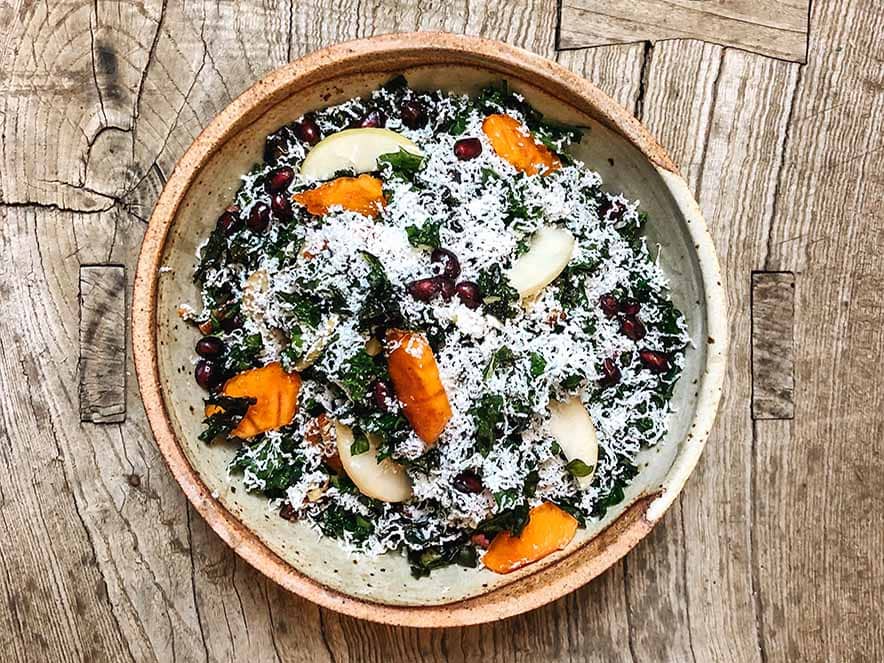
(203, 183)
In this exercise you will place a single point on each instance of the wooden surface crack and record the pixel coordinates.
(753, 548)
(151, 56)
(685, 583)
(781, 166)
(626, 598)
(644, 72)
(196, 601)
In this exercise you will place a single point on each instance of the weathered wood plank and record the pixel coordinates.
(616, 70)
(820, 514)
(777, 29)
(716, 111)
(773, 313)
(530, 24)
(102, 343)
(122, 515)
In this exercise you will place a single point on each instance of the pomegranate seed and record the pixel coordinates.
(287, 511)
(279, 180)
(207, 374)
(281, 206)
(446, 287)
(656, 362)
(308, 131)
(374, 118)
(276, 145)
(424, 289)
(231, 323)
(259, 218)
(630, 307)
(632, 328)
(209, 347)
(413, 114)
(610, 374)
(467, 148)
(229, 221)
(449, 261)
(381, 393)
(467, 482)
(609, 305)
(469, 294)
(481, 540)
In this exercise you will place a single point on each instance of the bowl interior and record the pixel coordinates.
(386, 579)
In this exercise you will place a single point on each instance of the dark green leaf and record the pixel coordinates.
(538, 365)
(579, 469)
(403, 164)
(227, 418)
(360, 371)
(511, 520)
(380, 306)
(488, 416)
(498, 295)
(360, 445)
(244, 355)
(272, 471)
(424, 236)
(212, 255)
(502, 357)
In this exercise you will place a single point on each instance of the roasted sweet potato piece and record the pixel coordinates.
(513, 142)
(548, 529)
(415, 377)
(277, 399)
(362, 194)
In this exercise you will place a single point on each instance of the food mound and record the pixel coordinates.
(427, 329)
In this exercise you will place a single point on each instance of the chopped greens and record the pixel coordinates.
(422, 249)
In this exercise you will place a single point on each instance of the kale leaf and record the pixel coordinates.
(509, 520)
(380, 306)
(360, 371)
(488, 417)
(538, 364)
(242, 356)
(424, 236)
(231, 411)
(267, 468)
(212, 256)
(335, 521)
(498, 295)
(502, 357)
(403, 164)
(435, 557)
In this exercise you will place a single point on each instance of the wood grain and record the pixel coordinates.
(821, 477)
(773, 345)
(716, 110)
(771, 554)
(776, 29)
(102, 343)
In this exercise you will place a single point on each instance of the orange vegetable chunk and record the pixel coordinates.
(415, 377)
(513, 142)
(276, 394)
(363, 194)
(548, 529)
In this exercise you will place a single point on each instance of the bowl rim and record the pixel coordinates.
(550, 582)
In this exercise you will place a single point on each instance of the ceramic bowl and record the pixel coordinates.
(204, 182)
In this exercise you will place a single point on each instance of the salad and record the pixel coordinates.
(428, 330)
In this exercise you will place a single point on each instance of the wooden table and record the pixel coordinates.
(774, 551)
